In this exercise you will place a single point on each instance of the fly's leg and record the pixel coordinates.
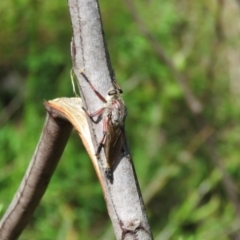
(125, 150)
(93, 88)
(108, 171)
(91, 115)
(98, 112)
(107, 168)
(102, 143)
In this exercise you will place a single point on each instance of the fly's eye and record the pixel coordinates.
(120, 91)
(112, 92)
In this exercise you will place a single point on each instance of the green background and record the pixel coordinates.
(176, 152)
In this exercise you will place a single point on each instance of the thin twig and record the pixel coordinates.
(54, 137)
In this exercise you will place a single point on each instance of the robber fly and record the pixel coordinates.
(113, 113)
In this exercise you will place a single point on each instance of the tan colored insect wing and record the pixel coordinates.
(114, 143)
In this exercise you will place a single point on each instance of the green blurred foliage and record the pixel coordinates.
(181, 184)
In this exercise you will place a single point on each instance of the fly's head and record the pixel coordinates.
(114, 93)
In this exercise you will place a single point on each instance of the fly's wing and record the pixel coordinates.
(114, 143)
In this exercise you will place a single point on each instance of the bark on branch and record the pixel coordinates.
(123, 197)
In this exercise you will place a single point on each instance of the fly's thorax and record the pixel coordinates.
(115, 109)
(118, 112)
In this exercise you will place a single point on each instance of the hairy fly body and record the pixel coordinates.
(113, 113)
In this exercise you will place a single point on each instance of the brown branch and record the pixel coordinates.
(123, 197)
(55, 134)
